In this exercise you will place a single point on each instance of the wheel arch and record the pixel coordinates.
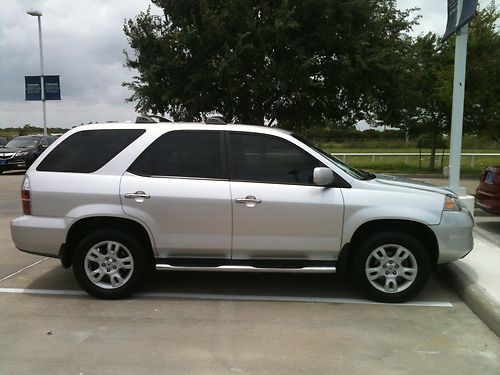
(419, 231)
(86, 225)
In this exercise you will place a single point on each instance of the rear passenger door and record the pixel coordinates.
(179, 188)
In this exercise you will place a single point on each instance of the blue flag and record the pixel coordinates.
(52, 89)
(32, 88)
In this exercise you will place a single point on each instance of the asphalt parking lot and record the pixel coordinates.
(191, 323)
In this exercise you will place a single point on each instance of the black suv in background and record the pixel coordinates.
(22, 151)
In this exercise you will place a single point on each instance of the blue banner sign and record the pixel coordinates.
(52, 88)
(32, 88)
(451, 25)
(457, 21)
(469, 9)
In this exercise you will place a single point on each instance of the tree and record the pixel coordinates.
(297, 62)
(428, 105)
(482, 86)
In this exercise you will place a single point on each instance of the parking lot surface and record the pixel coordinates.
(192, 323)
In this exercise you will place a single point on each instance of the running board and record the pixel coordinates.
(242, 268)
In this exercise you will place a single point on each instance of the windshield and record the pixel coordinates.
(356, 173)
(22, 142)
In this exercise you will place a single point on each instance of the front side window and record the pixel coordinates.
(353, 172)
(191, 154)
(264, 158)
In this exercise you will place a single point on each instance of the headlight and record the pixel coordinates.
(451, 204)
(22, 153)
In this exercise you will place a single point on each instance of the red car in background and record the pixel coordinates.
(488, 191)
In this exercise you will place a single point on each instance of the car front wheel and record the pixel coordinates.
(392, 267)
(109, 264)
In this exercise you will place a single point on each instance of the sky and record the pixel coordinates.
(83, 43)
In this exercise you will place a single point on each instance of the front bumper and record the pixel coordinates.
(454, 235)
(14, 163)
(38, 234)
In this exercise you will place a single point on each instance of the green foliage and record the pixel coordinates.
(300, 63)
(314, 66)
(343, 135)
(482, 87)
(28, 129)
(411, 164)
(427, 111)
(428, 108)
(473, 141)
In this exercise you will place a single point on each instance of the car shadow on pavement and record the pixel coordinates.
(234, 285)
(445, 273)
(199, 283)
(490, 226)
(57, 278)
(254, 284)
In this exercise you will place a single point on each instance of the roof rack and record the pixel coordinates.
(214, 120)
(150, 119)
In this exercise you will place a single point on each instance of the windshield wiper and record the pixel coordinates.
(367, 175)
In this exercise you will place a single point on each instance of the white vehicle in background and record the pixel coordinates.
(115, 201)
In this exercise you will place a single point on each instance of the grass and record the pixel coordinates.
(9, 134)
(413, 164)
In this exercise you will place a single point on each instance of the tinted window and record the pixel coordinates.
(356, 173)
(23, 142)
(263, 158)
(44, 142)
(182, 154)
(52, 138)
(87, 151)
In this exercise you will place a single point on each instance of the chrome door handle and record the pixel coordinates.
(137, 194)
(248, 199)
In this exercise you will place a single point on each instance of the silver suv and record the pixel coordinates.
(117, 200)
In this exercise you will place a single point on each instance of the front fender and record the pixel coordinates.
(362, 206)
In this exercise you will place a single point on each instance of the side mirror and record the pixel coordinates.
(322, 176)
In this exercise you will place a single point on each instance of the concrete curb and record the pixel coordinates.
(485, 234)
(476, 297)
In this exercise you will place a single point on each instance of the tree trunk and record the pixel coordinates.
(432, 158)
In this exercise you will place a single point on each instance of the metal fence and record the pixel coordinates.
(406, 155)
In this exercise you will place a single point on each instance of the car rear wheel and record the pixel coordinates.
(391, 267)
(109, 264)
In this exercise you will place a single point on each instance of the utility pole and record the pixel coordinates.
(457, 115)
(38, 15)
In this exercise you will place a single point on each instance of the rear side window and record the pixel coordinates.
(87, 151)
(191, 154)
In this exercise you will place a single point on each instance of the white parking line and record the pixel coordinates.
(230, 297)
(22, 269)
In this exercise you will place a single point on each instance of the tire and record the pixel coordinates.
(109, 264)
(391, 267)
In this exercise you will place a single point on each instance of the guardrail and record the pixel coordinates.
(374, 155)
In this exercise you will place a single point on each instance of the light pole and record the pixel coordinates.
(38, 14)
(457, 115)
